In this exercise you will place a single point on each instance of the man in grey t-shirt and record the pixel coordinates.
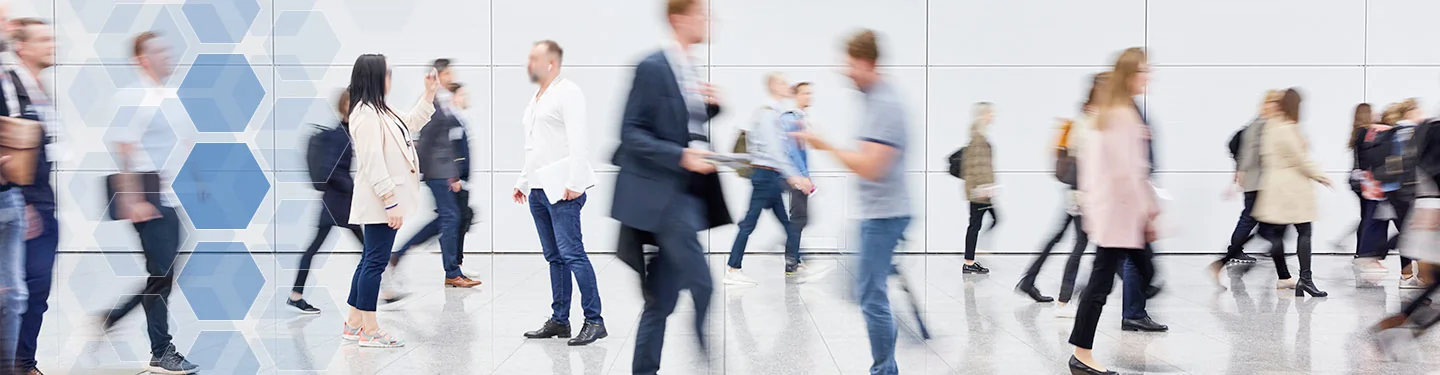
(884, 200)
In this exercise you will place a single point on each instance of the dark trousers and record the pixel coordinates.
(799, 219)
(1373, 232)
(446, 225)
(321, 232)
(768, 187)
(558, 225)
(1102, 281)
(1244, 228)
(1275, 233)
(160, 239)
(972, 232)
(1422, 300)
(365, 284)
(679, 265)
(1072, 265)
(1132, 289)
(39, 273)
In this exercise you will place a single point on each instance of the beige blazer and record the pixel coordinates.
(1287, 176)
(385, 161)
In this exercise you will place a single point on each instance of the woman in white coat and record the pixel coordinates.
(386, 185)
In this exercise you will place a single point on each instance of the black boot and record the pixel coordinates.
(551, 328)
(1028, 288)
(1307, 285)
(589, 333)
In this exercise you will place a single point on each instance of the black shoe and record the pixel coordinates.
(551, 328)
(974, 268)
(1241, 258)
(1143, 324)
(171, 362)
(304, 307)
(1080, 368)
(588, 334)
(1308, 286)
(1030, 290)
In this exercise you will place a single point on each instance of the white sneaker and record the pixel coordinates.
(1369, 265)
(808, 272)
(1066, 312)
(734, 276)
(1411, 282)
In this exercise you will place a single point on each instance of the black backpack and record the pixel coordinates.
(1379, 157)
(320, 158)
(957, 163)
(1235, 144)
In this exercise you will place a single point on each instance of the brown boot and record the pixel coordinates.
(460, 282)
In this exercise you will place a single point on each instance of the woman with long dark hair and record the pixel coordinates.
(386, 182)
(1365, 128)
(1117, 200)
(1287, 197)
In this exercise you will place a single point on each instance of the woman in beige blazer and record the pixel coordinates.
(1287, 196)
(386, 183)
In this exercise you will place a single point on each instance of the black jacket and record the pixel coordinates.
(340, 186)
(40, 194)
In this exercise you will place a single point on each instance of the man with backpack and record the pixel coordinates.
(328, 156)
(771, 172)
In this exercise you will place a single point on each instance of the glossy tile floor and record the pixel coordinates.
(980, 326)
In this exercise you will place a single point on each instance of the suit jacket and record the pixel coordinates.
(385, 159)
(437, 153)
(1287, 176)
(653, 133)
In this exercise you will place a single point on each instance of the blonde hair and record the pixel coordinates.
(977, 110)
(1271, 96)
(1116, 91)
(1393, 113)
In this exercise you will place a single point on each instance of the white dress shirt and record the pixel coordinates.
(555, 137)
(682, 63)
(152, 135)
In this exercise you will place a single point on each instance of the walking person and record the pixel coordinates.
(554, 180)
(772, 174)
(1287, 197)
(1396, 339)
(440, 165)
(884, 199)
(150, 212)
(1117, 199)
(28, 230)
(979, 184)
(1384, 158)
(798, 120)
(1068, 146)
(387, 171)
(1367, 190)
(1245, 149)
(666, 191)
(329, 158)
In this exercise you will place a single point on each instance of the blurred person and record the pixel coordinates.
(1117, 199)
(798, 120)
(1396, 339)
(1383, 158)
(386, 172)
(1365, 128)
(773, 172)
(14, 292)
(1245, 149)
(151, 213)
(979, 183)
(332, 160)
(440, 166)
(666, 190)
(1069, 145)
(557, 159)
(884, 201)
(1286, 197)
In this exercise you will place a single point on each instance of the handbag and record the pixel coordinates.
(149, 186)
(20, 140)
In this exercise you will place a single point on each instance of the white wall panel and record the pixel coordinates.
(1196, 110)
(605, 88)
(408, 32)
(813, 32)
(1385, 85)
(590, 32)
(1028, 102)
(1242, 32)
(1048, 32)
(1399, 32)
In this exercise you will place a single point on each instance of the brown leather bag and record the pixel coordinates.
(20, 140)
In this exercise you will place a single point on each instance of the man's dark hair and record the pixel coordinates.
(140, 40)
(441, 64)
(553, 48)
(799, 85)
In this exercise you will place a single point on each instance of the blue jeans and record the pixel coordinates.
(679, 265)
(1132, 295)
(1244, 229)
(160, 239)
(14, 293)
(878, 238)
(559, 228)
(446, 223)
(768, 189)
(365, 284)
(39, 274)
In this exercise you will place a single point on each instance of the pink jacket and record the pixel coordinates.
(1116, 198)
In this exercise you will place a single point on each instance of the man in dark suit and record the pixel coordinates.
(666, 190)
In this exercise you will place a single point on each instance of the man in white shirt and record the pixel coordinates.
(773, 172)
(555, 176)
(147, 204)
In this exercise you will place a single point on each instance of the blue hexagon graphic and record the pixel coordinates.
(303, 37)
(224, 352)
(221, 93)
(221, 185)
(221, 281)
(221, 21)
(93, 14)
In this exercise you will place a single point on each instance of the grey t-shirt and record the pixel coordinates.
(885, 123)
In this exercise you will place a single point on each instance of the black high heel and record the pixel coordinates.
(1080, 368)
(1308, 286)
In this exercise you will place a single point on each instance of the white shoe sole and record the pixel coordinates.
(350, 337)
(740, 282)
(161, 370)
(298, 310)
(369, 344)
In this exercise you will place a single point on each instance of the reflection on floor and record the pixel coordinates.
(980, 325)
